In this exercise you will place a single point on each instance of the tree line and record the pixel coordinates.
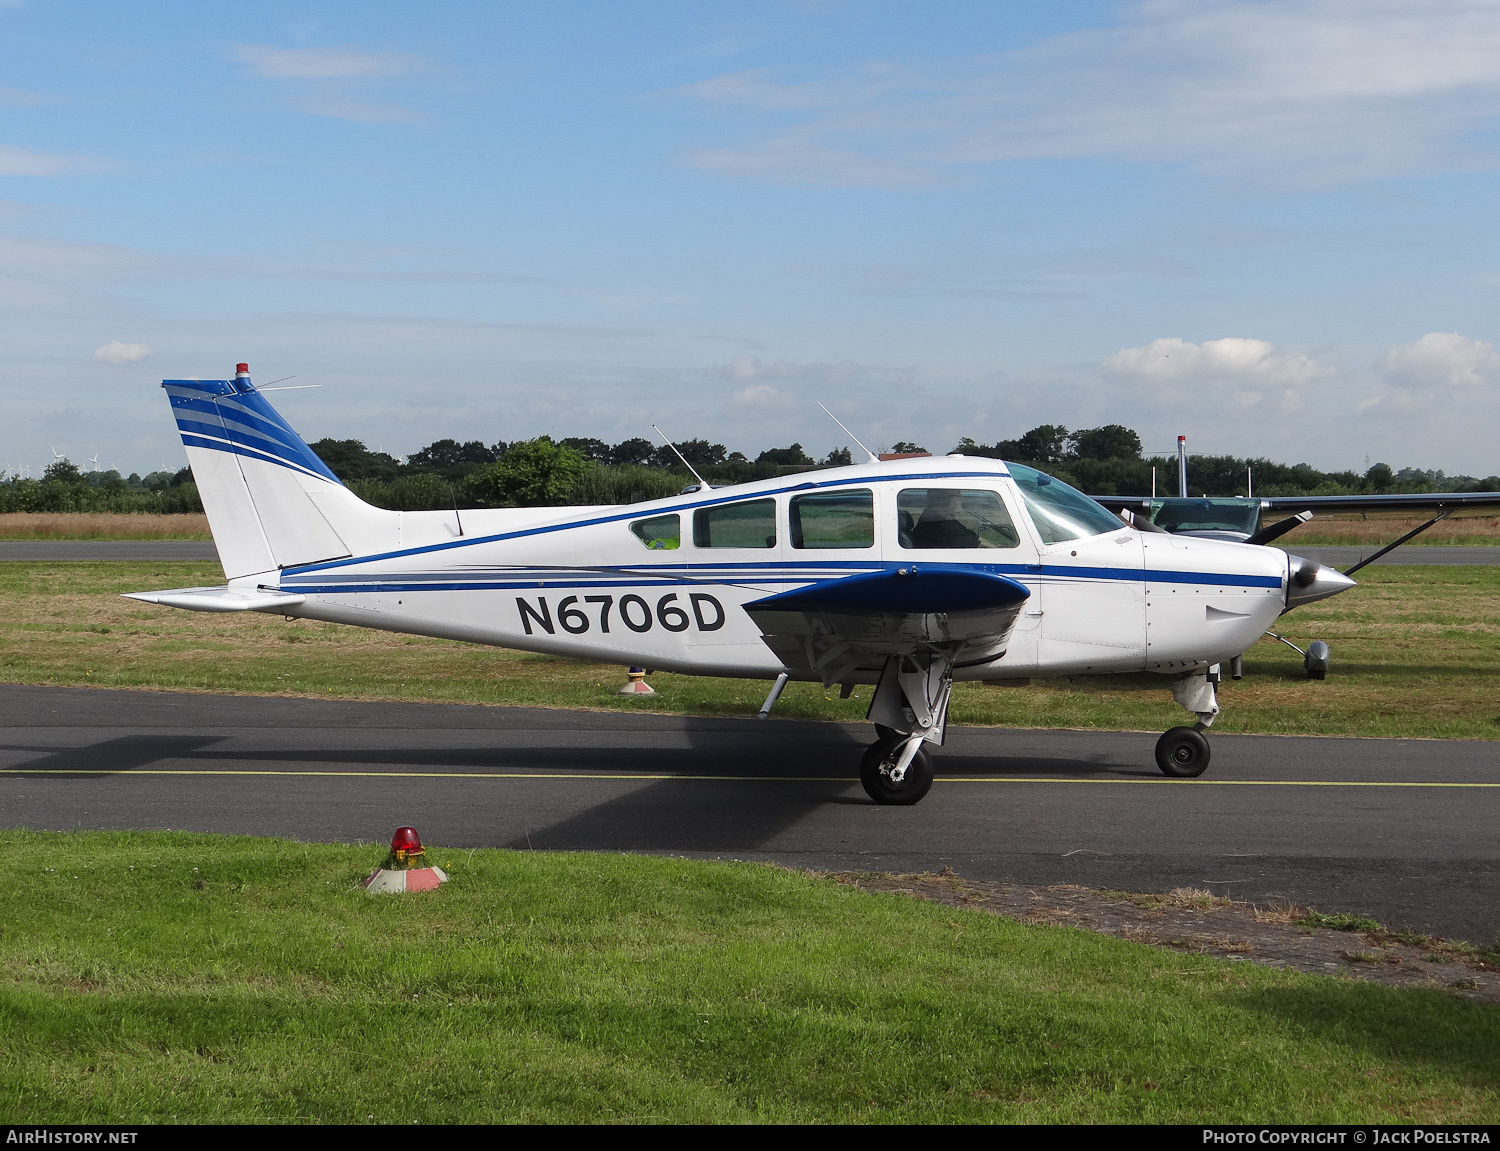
(1102, 461)
(543, 471)
(64, 488)
(579, 470)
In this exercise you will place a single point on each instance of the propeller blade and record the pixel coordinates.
(1280, 528)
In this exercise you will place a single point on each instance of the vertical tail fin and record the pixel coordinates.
(271, 502)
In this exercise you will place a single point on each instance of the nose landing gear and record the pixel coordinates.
(1182, 753)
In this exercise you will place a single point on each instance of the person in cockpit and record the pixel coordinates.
(939, 526)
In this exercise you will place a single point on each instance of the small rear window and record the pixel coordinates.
(751, 524)
(660, 533)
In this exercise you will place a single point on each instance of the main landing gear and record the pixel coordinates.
(886, 780)
(909, 709)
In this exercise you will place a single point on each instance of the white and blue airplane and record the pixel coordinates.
(908, 574)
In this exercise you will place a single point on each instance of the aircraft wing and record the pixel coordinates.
(1423, 501)
(833, 629)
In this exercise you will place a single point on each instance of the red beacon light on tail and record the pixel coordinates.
(241, 370)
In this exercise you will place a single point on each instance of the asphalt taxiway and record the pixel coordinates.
(1400, 830)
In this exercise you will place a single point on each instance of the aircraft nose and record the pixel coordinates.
(1309, 581)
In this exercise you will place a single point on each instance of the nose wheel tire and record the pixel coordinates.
(1182, 753)
(875, 772)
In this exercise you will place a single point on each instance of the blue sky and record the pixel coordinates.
(1267, 226)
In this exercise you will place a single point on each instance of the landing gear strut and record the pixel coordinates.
(909, 709)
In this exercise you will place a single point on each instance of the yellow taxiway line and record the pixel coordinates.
(732, 778)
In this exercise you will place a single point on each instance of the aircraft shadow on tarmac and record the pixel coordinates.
(115, 756)
(737, 787)
(828, 753)
(704, 816)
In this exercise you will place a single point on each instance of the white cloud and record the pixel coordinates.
(794, 162)
(749, 367)
(744, 367)
(321, 77)
(23, 162)
(762, 399)
(1235, 359)
(116, 352)
(1279, 91)
(328, 63)
(55, 278)
(1442, 358)
(339, 107)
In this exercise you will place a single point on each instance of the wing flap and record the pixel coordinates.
(832, 630)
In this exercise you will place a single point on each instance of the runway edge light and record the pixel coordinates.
(397, 873)
(637, 684)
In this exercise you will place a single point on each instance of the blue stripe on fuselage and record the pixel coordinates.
(766, 573)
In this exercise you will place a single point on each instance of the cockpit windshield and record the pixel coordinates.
(1059, 512)
(1206, 515)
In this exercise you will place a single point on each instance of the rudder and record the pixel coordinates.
(267, 494)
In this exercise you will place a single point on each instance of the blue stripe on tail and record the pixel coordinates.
(231, 416)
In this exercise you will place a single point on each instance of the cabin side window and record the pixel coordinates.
(933, 518)
(751, 524)
(660, 533)
(833, 520)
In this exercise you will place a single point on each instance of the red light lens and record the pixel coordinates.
(406, 840)
(241, 367)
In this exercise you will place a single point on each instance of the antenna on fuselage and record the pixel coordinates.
(703, 484)
(874, 459)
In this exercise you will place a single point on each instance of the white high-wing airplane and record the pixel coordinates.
(907, 574)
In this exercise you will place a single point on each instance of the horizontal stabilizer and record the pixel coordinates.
(220, 599)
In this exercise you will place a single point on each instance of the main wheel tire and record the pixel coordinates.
(1182, 753)
(874, 772)
(883, 732)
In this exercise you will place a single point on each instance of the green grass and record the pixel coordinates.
(160, 977)
(1414, 654)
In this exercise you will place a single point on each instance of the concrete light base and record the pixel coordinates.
(384, 882)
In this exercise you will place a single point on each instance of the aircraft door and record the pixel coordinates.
(1094, 604)
(948, 524)
(1092, 579)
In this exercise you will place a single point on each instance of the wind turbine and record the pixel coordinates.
(94, 460)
